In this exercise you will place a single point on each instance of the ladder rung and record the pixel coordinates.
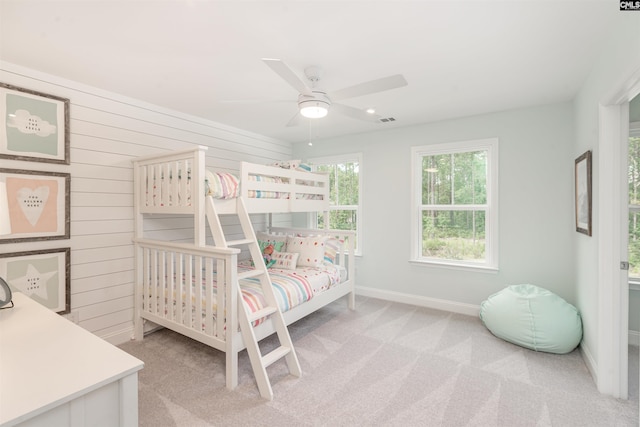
(240, 242)
(275, 355)
(251, 273)
(264, 312)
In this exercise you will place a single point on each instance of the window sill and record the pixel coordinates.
(452, 266)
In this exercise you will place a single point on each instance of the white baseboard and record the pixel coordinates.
(634, 339)
(438, 304)
(119, 337)
(589, 361)
(122, 336)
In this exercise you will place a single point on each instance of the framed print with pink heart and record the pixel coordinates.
(34, 205)
(34, 126)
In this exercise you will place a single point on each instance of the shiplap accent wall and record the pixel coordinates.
(107, 132)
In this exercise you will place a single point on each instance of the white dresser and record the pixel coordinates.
(54, 373)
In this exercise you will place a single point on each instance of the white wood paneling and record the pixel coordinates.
(90, 227)
(105, 199)
(87, 256)
(107, 240)
(101, 185)
(81, 271)
(108, 131)
(101, 281)
(113, 292)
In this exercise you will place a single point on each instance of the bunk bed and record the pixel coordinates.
(197, 289)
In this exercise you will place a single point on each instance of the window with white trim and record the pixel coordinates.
(345, 194)
(455, 203)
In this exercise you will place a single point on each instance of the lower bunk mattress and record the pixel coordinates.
(291, 288)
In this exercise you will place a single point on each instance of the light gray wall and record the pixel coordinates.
(535, 208)
(619, 59)
(107, 132)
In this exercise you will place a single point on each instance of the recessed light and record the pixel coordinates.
(371, 110)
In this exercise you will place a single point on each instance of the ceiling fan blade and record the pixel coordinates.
(355, 113)
(287, 74)
(295, 121)
(373, 86)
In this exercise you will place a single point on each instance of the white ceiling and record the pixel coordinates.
(460, 58)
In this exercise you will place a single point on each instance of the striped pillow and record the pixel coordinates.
(221, 185)
(332, 249)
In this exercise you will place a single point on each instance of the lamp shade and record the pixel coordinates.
(313, 109)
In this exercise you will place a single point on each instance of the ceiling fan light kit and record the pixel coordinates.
(314, 111)
(314, 106)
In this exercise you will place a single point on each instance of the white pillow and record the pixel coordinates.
(285, 260)
(311, 249)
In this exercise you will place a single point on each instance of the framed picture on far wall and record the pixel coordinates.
(34, 126)
(583, 193)
(41, 275)
(34, 205)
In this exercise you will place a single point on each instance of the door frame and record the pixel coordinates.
(613, 300)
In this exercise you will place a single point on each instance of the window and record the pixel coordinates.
(634, 202)
(344, 193)
(455, 190)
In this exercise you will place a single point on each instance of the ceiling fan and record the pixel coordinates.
(314, 102)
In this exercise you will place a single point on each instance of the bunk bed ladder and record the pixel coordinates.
(259, 363)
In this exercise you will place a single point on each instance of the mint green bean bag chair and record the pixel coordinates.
(534, 318)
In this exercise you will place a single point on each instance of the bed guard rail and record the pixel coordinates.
(187, 284)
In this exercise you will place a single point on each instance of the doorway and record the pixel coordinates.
(613, 285)
(633, 168)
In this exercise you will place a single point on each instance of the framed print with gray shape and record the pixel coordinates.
(41, 275)
(34, 126)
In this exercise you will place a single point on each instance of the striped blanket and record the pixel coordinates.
(291, 288)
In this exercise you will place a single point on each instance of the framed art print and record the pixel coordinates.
(583, 193)
(34, 126)
(34, 205)
(41, 275)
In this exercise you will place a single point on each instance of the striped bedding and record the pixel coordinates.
(291, 287)
(261, 194)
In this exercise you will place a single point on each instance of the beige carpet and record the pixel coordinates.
(384, 364)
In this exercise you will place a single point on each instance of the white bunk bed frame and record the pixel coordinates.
(164, 267)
